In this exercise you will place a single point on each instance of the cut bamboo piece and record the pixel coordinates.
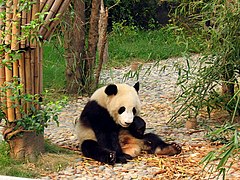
(8, 22)
(52, 12)
(2, 10)
(17, 101)
(28, 82)
(2, 80)
(29, 18)
(23, 23)
(22, 78)
(37, 74)
(42, 4)
(59, 14)
(48, 4)
(35, 10)
(40, 70)
(36, 71)
(10, 109)
(15, 27)
(32, 61)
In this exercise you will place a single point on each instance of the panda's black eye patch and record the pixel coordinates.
(134, 111)
(121, 110)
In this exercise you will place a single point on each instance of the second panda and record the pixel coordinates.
(110, 130)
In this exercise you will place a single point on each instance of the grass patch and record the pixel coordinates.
(55, 159)
(54, 65)
(142, 45)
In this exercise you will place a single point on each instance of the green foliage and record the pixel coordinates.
(229, 151)
(34, 119)
(217, 27)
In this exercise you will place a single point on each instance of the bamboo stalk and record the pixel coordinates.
(52, 12)
(59, 14)
(22, 69)
(15, 27)
(2, 80)
(28, 82)
(17, 101)
(35, 10)
(40, 70)
(23, 23)
(32, 59)
(29, 18)
(2, 9)
(8, 22)
(22, 77)
(48, 4)
(10, 109)
(42, 4)
(36, 73)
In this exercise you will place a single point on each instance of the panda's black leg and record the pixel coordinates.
(92, 149)
(155, 145)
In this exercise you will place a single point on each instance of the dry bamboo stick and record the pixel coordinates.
(28, 82)
(29, 18)
(52, 12)
(2, 56)
(23, 23)
(42, 4)
(2, 80)
(8, 22)
(22, 78)
(36, 73)
(48, 4)
(17, 101)
(32, 61)
(10, 109)
(2, 9)
(35, 10)
(15, 27)
(44, 9)
(59, 14)
(40, 70)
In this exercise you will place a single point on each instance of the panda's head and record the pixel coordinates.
(121, 101)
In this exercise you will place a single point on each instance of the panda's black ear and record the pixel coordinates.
(111, 89)
(136, 86)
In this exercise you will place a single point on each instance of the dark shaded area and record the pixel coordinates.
(145, 14)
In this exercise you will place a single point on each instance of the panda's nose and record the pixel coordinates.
(127, 123)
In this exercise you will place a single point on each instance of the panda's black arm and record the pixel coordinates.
(137, 128)
(121, 157)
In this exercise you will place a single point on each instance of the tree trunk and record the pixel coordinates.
(74, 39)
(92, 43)
(26, 146)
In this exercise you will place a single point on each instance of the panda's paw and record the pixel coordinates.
(122, 158)
(170, 150)
(111, 158)
(177, 149)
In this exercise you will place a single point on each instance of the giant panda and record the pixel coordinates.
(110, 129)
